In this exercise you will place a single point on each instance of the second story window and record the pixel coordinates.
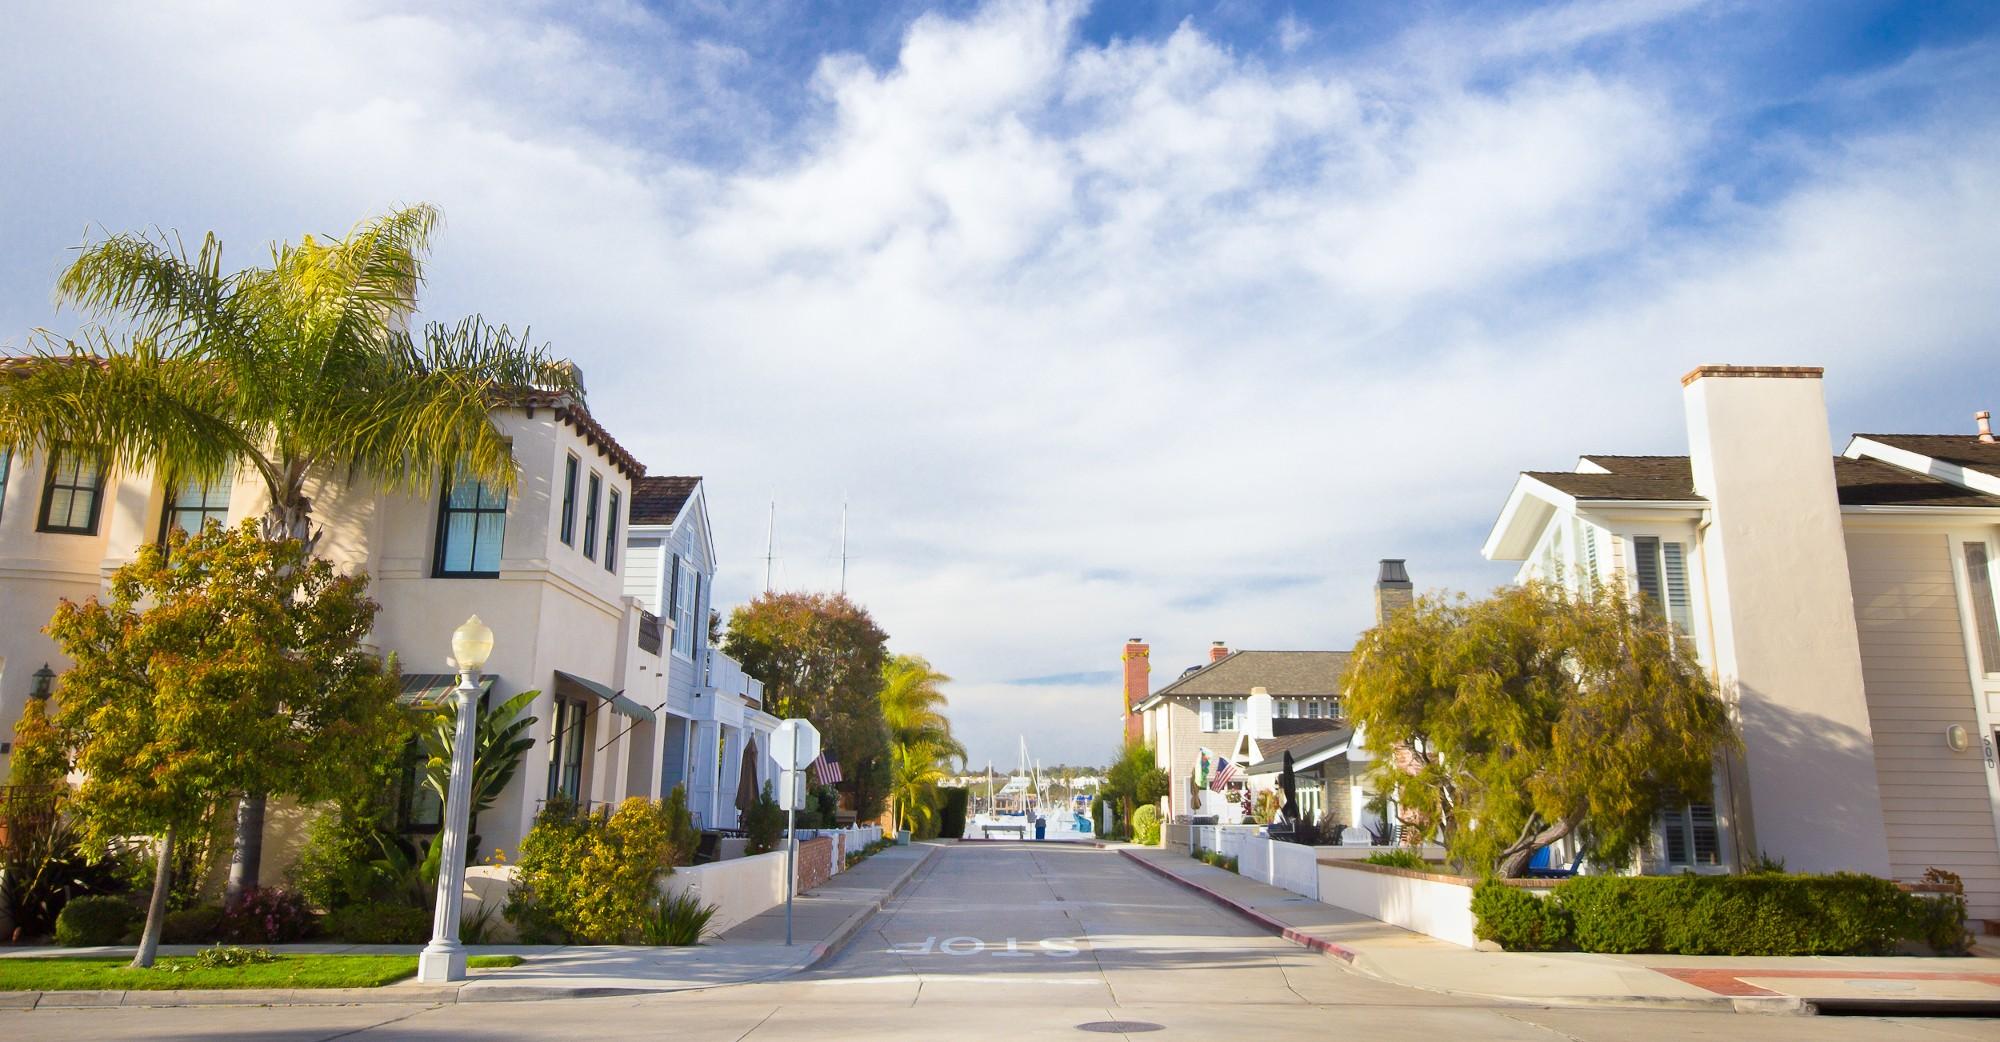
(1660, 569)
(611, 532)
(590, 516)
(192, 504)
(472, 522)
(72, 493)
(570, 467)
(684, 608)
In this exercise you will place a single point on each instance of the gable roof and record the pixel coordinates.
(1285, 674)
(1959, 450)
(659, 500)
(1656, 478)
(1871, 482)
(1302, 747)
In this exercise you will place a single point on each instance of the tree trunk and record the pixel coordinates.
(246, 859)
(156, 910)
(1514, 863)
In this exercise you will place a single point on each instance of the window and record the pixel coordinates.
(1690, 836)
(674, 595)
(611, 533)
(590, 516)
(685, 603)
(1225, 716)
(1979, 576)
(566, 750)
(1661, 570)
(72, 493)
(569, 500)
(471, 525)
(192, 504)
(419, 810)
(1285, 709)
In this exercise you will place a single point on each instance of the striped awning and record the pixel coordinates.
(619, 703)
(430, 690)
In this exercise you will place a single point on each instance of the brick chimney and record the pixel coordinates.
(1393, 591)
(1138, 684)
(1218, 651)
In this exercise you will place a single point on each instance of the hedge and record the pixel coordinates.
(1762, 914)
(88, 922)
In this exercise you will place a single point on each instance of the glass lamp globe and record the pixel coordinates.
(470, 644)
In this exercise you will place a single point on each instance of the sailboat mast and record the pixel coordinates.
(770, 544)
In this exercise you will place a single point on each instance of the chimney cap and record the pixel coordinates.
(1218, 643)
(1392, 573)
(1779, 372)
(1135, 640)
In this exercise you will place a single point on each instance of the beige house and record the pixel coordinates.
(542, 565)
(1845, 605)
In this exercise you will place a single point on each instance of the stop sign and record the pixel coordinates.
(795, 745)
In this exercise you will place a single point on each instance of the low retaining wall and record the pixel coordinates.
(815, 862)
(740, 889)
(1426, 902)
(1177, 837)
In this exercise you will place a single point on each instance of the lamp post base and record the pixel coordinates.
(441, 962)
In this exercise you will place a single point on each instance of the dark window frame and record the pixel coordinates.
(571, 465)
(170, 508)
(566, 739)
(590, 507)
(49, 486)
(445, 513)
(616, 503)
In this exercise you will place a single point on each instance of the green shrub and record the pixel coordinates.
(379, 924)
(1146, 826)
(269, 915)
(1939, 919)
(1398, 858)
(1518, 920)
(87, 922)
(764, 823)
(679, 920)
(197, 925)
(951, 815)
(1216, 859)
(682, 835)
(591, 878)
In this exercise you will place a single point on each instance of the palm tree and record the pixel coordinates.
(303, 370)
(921, 746)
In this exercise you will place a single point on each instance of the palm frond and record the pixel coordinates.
(154, 285)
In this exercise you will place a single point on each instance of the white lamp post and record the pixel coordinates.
(444, 958)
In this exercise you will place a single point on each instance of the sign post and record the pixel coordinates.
(795, 745)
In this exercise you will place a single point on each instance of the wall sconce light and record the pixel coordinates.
(45, 681)
(1958, 738)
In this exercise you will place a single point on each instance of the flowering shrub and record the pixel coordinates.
(591, 878)
(269, 915)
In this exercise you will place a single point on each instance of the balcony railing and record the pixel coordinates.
(649, 633)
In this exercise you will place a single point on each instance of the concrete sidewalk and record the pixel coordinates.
(1745, 984)
(751, 951)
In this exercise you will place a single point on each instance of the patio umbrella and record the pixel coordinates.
(1288, 783)
(746, 784)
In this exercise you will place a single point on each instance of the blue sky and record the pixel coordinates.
(1113, 320)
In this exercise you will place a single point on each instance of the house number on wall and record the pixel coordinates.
(1988, 743)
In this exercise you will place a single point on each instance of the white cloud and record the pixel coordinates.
(1149, 338)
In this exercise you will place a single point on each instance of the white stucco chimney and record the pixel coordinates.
(1257, 715)
(1984, 419)
(1781, 607)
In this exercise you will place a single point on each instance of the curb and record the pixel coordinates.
(852, 925)
(1783, 1004)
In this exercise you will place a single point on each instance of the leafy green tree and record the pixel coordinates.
(1134, 780)
(221, 663)
(1533, 715)
(301, 371)
(921, 747)
(763, 823)
(820, 656)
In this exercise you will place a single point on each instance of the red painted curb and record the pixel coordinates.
(1289, 933)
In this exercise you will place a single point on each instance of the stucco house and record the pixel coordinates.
(1844, 604)
(542, 564)
(715, 733)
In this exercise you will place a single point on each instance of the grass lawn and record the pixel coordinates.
(290, 971)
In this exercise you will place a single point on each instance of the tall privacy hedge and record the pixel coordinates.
(1761, 914)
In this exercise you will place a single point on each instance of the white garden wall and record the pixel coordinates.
(1440, 906)
(740, 889)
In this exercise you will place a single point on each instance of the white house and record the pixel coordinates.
(711, 718)
(1845, 605)
(542, 565)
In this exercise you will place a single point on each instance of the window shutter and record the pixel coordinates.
(1675, 566)
(1590, 550)
(1646, 570)
(1207, 715)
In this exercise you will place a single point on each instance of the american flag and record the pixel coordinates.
(1225, 772)
(827, 771)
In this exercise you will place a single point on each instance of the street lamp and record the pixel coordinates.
(443, 959)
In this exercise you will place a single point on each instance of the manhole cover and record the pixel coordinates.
(1119, 1027)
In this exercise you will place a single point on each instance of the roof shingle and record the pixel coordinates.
(1284, 674)
(658, 500)
(1656, 478)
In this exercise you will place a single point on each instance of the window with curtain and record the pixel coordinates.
(566, 739)
(1660, 568)
(590, 515)
(192, 504)
(611, 531)
(570, 467)
(472, 523)
(72, 493)
(1979, 576)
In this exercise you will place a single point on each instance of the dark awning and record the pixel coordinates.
(619, 703)
(430, 690)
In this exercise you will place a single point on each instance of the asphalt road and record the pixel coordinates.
(1008, 942)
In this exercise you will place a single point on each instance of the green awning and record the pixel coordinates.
(430, 690)
(619, 703)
